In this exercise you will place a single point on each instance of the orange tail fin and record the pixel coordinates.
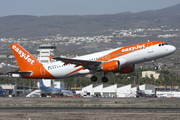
(24, 59)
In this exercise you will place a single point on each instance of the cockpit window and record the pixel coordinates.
(162, 44)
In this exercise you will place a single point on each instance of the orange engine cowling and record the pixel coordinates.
(111, 66)
(127, 69)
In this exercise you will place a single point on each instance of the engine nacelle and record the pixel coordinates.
(127, 69)
(111, 66)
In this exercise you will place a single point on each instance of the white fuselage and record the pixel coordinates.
(126, 57)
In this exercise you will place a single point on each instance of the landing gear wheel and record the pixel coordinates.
(93, 78)
(155, 67)
(104, 79)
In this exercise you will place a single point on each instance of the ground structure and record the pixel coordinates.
(103, 108)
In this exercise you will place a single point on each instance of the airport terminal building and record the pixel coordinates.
(117, 90)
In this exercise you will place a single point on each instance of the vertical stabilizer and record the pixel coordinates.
(41, 84)
(24, 59)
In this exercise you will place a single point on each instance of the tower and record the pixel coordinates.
(44, 51)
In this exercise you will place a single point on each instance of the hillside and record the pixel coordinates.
(32, 26)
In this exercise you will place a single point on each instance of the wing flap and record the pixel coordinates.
(79, 62)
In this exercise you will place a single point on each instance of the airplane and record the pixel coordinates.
(121, 60)
(141, 93)
(48, 90)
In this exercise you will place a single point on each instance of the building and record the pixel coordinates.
(44, 51)
(15, 90)
(117, 90)
(149, 73)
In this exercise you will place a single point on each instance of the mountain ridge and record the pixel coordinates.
(18, 26)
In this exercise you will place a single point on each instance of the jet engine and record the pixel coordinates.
(111, 66)
(127, 69)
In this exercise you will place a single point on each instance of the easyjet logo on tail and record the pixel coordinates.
(23, 55)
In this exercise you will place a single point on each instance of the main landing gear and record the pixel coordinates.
(94, 78)
(104, 79)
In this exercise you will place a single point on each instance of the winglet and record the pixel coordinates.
(50, 58)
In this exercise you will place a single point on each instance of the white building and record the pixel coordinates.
(44, 51)
(126, 91)
(149, 73)
(115, 90)
(168, 94)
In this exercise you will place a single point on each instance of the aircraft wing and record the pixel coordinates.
(85, 63)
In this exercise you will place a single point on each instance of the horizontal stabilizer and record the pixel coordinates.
(21, 73)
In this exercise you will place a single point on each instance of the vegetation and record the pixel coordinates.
(166, 78)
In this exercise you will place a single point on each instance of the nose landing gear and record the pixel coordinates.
(155, 66)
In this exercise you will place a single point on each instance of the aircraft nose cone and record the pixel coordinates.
(173, 49)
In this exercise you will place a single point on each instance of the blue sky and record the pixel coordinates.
(79, 7)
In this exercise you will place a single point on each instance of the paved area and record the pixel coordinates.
(89, 108)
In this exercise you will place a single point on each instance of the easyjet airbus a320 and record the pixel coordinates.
(120, 60)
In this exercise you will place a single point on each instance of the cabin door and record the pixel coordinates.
(149, 47)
